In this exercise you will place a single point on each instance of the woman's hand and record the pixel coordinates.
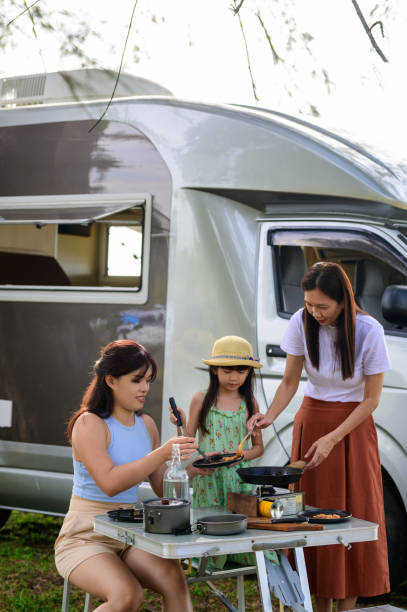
(319, 451)
(187, 447)
(259, 421)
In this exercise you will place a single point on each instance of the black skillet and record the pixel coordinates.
(275, 476)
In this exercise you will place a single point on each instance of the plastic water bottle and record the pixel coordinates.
(176, 481)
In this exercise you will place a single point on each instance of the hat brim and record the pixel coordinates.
(249, 363)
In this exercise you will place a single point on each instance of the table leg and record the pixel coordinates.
(241, 603)
(302, 572)
(263, 582)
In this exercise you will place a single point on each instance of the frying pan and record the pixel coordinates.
(275, 476)
(222, 524)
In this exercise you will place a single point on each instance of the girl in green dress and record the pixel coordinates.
(220, 416)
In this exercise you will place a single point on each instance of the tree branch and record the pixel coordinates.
(247, 54)
(22, 12)
(27, 8)
(276, 57)
(35, 33)
(380, 24)
(237, 8)
(119, 71)
(368, 31)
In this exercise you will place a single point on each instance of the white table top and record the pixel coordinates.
(197, 545)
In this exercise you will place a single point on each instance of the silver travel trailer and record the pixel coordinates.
(173, 223)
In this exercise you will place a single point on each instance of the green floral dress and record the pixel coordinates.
(226, 429)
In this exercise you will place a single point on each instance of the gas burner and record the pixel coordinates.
(268, 490)
(265, 491)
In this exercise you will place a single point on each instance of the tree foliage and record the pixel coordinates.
(268, 28)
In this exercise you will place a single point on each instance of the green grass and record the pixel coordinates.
(29, 581)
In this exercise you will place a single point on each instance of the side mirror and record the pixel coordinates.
(394, 304)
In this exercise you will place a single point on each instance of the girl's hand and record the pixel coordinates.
(174, 420)
(197, 471)
(259, 421)
(187, 447)
(319, 451)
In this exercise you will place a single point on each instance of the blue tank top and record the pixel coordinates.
(126, 444)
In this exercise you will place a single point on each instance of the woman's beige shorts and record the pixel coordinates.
(77, 541)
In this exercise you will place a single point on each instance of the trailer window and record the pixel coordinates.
(97, 246)
(124, 246)
(368, 261)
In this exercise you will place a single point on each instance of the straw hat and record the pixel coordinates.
(232, 351)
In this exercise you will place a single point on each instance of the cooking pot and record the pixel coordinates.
(166, 515)
(222, 524)
(275, 476)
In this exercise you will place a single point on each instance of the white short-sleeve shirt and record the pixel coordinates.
(371, 357)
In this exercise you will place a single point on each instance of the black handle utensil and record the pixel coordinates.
(179, 422)
(177, 415)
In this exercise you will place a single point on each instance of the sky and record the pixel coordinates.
(196, 50)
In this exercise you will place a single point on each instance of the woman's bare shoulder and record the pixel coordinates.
(89, 429)
(89, 419)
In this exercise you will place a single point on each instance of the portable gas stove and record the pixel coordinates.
(286, 502)
(272, 483)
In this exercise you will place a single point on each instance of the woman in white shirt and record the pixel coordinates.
(343, 352)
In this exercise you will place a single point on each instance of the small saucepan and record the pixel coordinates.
(222, 524)
(166, 515)
(270, 475)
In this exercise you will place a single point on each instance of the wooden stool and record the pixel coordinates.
(66, 595)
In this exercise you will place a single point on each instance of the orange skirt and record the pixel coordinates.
(349, 479)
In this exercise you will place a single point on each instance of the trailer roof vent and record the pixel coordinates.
(73, 86)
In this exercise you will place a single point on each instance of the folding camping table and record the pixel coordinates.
(252, 540)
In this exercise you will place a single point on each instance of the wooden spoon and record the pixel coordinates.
(239, 450)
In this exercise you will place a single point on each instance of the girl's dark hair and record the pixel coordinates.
(117, 358)
(331, 279)
(246, 391)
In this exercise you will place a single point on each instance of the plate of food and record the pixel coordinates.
(218, 460)
(325, 515)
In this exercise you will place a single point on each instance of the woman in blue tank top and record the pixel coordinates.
(115, 447)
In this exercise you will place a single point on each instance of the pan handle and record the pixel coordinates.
(200, 528)
(277, 545)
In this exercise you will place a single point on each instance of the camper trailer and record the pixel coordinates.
(172, 223)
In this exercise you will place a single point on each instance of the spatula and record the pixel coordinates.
(300, 464)
(239, 450)
(180, 427)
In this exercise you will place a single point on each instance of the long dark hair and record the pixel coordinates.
(116, 358)
(331, 279)
(211, 396)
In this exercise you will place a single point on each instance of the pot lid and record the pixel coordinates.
(165, 502)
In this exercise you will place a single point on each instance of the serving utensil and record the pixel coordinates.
(177, 415)
(239, 450)
(180, 426)
(300, 464)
